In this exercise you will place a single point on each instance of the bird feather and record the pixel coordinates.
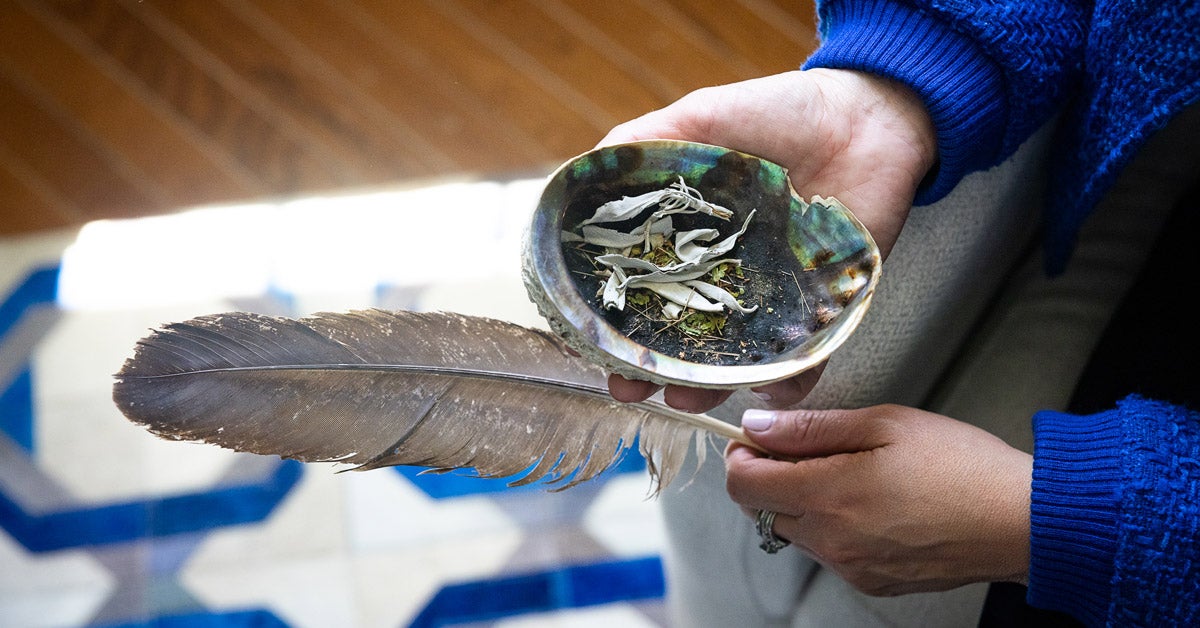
(377, 388)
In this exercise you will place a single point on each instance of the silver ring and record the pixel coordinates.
(764, 524)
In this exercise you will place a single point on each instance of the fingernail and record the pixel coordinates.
(765, 396)
(757, 420)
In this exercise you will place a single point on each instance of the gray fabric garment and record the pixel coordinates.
(965, 324)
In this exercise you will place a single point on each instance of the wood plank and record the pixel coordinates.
(279, 81)
(145, 138)
(28, 203)
(271, 152)
(395, 128)
(741, 33)
(797, 18)
(50, 149)
(587, 69)
(680, 54)
(400, 83)
(589, 34)
(524, 64)
(141, 106)
(515, 99)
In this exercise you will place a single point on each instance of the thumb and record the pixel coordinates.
(814, 433)
(651, 126)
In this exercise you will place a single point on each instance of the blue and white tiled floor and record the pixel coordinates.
(105, 525)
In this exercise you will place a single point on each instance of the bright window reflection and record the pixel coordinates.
(451, 232)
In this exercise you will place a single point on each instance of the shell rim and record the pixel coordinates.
(571, 317)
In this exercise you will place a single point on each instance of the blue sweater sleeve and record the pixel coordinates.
(989, 73)
(1115, 515)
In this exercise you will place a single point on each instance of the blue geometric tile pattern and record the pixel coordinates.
(117, 522)
(133, 520)
(572, 586)
(38, 288)
(261, 542)
(16, 416)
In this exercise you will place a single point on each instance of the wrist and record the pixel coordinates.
(960, 86)
(892, 142)
(1018, 496)
(995, 528)
(895, 116)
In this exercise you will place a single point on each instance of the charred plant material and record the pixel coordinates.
(685, 275)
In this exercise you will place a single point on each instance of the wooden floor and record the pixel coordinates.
(117, 108)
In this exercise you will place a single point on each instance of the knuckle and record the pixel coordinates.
(846, 557)
(863, 580)
(837, 555)
(804, 425)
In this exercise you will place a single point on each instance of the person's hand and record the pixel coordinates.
(865, 140)
(893, 499)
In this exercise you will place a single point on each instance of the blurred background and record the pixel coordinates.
(161, 159)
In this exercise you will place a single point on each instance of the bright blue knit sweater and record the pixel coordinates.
(1115, 521)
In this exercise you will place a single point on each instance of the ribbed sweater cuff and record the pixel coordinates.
(1074, 513)
(962, 89)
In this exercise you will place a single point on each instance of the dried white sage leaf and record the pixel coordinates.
(720, 295)
(685, 241)
(679, 197)
(685, 296)
(689, 251)
(625, 208)
(657, 274)
(671, 310)
(680, 282)
(613, 239)
(614, 290)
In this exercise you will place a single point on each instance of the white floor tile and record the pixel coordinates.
(57, 589)
(305, 592)
(309, 522)
(625, 519)
(392, 587)
(598, 617)
(386, 512)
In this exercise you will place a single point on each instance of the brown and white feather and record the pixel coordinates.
(377, 388)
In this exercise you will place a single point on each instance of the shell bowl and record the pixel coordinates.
(810, 267)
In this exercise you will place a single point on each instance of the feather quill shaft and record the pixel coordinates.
(376, 388)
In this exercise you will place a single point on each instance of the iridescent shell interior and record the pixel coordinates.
(811, 267)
